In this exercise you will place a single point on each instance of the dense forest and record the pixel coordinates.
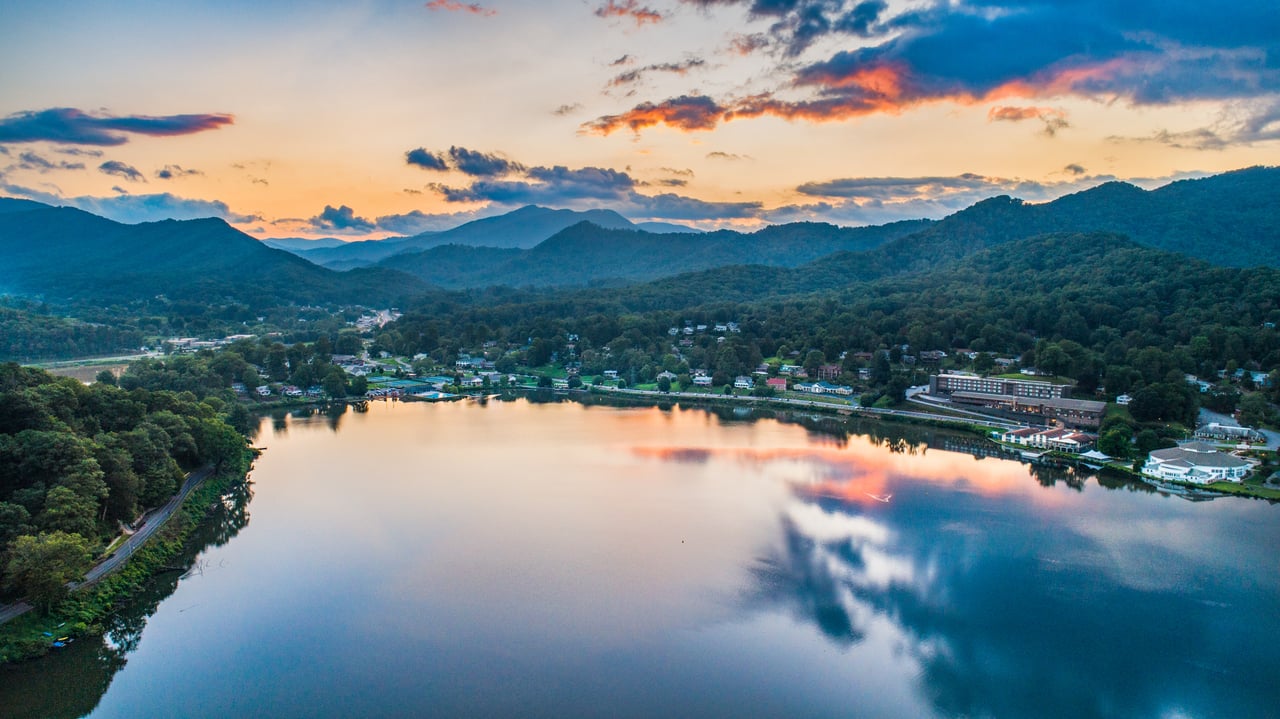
(1111, 315)
(77, 461)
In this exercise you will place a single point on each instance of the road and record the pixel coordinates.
(152, 522)
(816, 405)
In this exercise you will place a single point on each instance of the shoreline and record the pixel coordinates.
(30, 635)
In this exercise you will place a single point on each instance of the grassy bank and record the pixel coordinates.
(33, 633)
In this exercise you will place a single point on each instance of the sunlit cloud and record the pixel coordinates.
(454, 6)
(1145, 53)
(630, 9)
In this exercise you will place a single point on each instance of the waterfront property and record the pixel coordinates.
(1196, 462)
(1055, 438)
(951, 383)
(1031, 400)
(1075, 413)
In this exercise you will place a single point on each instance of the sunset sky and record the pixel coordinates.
(366, 119)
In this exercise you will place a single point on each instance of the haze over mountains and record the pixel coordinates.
(1227, 220)
(523, 228)
(65, 254)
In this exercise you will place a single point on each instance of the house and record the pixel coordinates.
(1195, 462)
(1214, 430)
(721, 327)
(792, 370)
(829, 388)
(702, 380)
(824, 388)
(264, 391)
(777, 383)
(669, 375)
(613, 374)
(291, 391)
(239, 388)
(828, 371)
(742, 382)
(1124, 399)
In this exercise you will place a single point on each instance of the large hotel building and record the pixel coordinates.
(1028, 399)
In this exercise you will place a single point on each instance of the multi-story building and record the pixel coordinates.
(951, 383)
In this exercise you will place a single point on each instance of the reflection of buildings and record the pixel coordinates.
(975, 447)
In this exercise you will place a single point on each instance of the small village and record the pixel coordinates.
(1033, 416)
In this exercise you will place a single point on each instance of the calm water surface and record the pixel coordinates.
(557, 560)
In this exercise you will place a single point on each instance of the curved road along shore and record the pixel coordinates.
(152, 522)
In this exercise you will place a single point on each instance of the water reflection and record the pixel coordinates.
(1004, 624)
(542, 558)
(73, 681)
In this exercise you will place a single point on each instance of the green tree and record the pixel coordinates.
(106, 376)
(39, 567)
(664, 384)
(66, 511)
(335, 382)
(1115, 441)
(1254, 410)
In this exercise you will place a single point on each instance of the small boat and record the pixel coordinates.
(880, 497)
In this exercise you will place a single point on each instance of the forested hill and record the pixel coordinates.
(522, 228)
(1234, 204)
(63, 254)
(1232, 219)
(1098, 307)
(586, 253)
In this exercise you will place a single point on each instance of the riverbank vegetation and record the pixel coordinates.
(78, 463)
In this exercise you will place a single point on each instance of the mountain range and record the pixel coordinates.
(523, 228)
(1230, 220)
(62, 254)
(65, 254)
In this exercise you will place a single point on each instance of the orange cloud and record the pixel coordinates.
(455, 6)
(687, 112)
(631, 9)
(863, 472)
(863, 90)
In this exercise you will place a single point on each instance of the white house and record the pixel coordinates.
(1195, 462)
(743, 382)
(702, 380)
(1057, 438)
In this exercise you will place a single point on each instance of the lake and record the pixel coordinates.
(554, 559)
